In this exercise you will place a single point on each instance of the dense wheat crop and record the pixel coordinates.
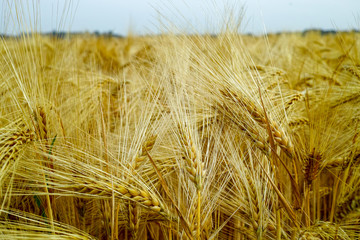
(180, 137)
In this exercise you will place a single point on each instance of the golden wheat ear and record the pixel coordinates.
(134, 210)
(15, 140)
(258, 116)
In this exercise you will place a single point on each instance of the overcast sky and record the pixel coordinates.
(145, 16)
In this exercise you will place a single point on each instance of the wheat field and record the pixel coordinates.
(180, 137)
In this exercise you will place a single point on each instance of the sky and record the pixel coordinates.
(191, 16)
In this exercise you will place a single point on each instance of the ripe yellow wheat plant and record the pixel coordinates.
(180, 137)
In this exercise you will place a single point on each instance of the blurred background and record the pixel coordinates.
(141, 17)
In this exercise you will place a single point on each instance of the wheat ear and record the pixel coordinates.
(43, 134)
(352, 204)
(42, 124)
(256, 114)
(253, 202)
(10, 145)
(293, 100)
(311, 166)
(122, 191)
(346, 99)
(354, 70)
(256, 139)
(195, 169)
(134, 210)
(298, 122)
